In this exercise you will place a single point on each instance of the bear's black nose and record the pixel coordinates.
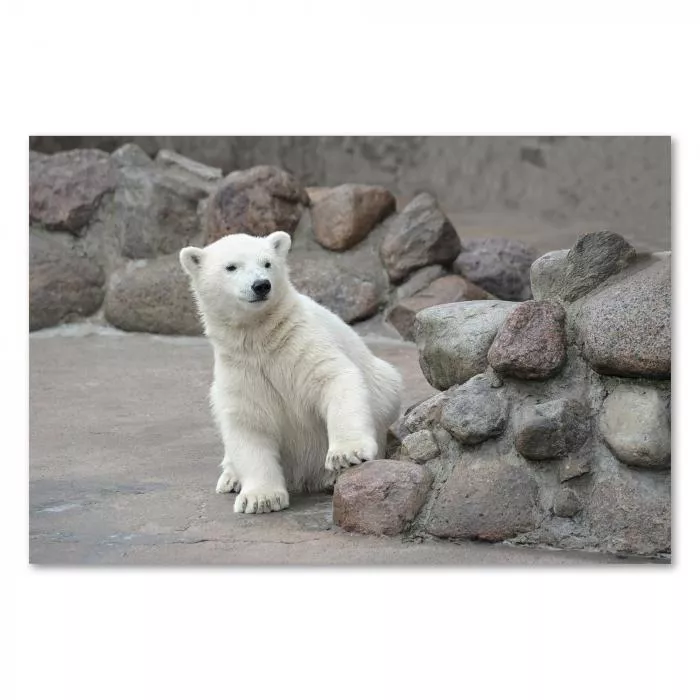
(261, 287)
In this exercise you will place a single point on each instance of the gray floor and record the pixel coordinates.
(123, 463)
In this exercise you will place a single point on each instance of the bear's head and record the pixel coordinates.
(239, 276)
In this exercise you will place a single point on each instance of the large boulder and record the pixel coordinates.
(257, 201)
(531, 343)
(380, 497)
(153, 297)
(485, 498)
(345, 215)
(636, 425)
(475, 412)
(64, 283)
(444, 290)
(420, 235)
(501, 266)
(454, 339)
(625, 329)
(65, 189)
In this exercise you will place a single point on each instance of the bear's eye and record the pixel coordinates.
(230, 268)
(268, 264)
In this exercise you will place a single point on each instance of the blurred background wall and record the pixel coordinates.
(544, 190)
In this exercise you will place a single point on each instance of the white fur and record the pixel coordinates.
(297, 395)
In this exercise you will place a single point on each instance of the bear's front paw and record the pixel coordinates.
(345, 454)
(228, 481)
(261, 501)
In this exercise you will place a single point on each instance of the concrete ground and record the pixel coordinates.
(124, 459)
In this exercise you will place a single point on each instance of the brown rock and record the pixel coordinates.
(66, 188)
(531, 344)
(380, 497)
(64, 283)
(345, 215)
(420, 235)
(485, 499)
(153, 297)
(316, 194)
(444, 290)
(257, 201)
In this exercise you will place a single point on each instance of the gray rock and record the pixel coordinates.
(418, 236)
(475, 412)
(380, 497)
(485, 498)
(427, 414)
(593, 258)
(625, 329)
(635, 424)
(65, 189)
(345, 215)
(131, 155)
(152, 297)
(444, 290)
(257, 201)
(501, 266)
(573, 466)
(629, 514)
(566, 503)
(453, 339)
(155, 212)
(552, 429)
(64, 283)
(419, 280)
(170, 160)
(421, 446)
(531, 343)
(546, 274)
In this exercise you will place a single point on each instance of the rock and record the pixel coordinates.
(64, 283)
(131, 155)
(552, 429)
(444, 290)
(380, 497)
(546, 274)
(566, 504)
(501, 266)
(65, 189)
(179, 164)
(485, 498)
(625, 329)
(152, 297)
(345, 215)
(421, 446)
(419, 236)
(635, 424)
(573, 466)
(475, 412)
(426, 414)
(453, 339)
(531, 343)
(593, 258)
(629, 514)
(419, 280)
(155, 212)
(316, 194)
(257, 201)
(351, 293)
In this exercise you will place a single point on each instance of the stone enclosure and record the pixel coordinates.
(552, 422)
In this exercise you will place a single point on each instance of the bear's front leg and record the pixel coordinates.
(351, 432)
(256, 456)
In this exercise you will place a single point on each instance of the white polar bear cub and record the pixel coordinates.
(297, 395)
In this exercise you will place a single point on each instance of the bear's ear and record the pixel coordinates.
(280, 242)
(191, 260)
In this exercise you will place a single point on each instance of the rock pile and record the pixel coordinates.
(553, 424)
(105, 228)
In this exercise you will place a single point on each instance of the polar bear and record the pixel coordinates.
(297, 395)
